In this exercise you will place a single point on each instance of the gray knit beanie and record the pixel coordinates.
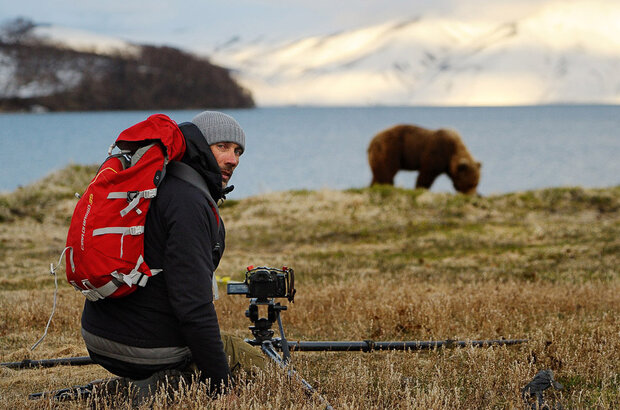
(219, 127)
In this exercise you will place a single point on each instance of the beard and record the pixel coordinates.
(229, 173)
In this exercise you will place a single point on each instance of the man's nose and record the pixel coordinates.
(232, 158)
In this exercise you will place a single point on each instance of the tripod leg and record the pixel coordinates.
(268, 349)
(74, 392)
(286, 354)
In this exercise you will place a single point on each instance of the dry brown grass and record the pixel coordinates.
(382, 264)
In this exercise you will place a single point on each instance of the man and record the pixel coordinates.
(170, 326)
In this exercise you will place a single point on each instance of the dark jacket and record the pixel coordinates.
(175, 308)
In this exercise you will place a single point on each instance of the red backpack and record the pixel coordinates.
(105, 242)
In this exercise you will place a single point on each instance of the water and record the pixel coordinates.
(521, 148)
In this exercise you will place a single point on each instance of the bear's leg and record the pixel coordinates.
(383, 176)
(426, 179)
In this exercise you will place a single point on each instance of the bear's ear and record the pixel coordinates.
(463, 165)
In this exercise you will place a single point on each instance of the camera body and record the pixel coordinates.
(264, 283)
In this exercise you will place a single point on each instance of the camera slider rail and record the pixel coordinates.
(300, 346)
(372, 346)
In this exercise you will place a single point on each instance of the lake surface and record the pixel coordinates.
(521, 148)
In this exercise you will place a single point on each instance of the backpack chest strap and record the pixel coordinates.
(133, 197)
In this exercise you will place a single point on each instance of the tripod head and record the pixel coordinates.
(262, 325)
(263, 285)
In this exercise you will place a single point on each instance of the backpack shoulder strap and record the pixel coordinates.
(189, 174)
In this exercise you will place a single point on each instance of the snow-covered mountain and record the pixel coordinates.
(566, 52)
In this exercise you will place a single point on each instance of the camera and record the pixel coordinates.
(265, 283)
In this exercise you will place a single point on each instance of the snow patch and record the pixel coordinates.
(84, 41)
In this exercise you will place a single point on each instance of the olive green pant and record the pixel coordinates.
(242, 356)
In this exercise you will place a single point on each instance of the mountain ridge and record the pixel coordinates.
(552, 56)
(564, 53)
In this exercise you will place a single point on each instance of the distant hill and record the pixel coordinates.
(564, 52)
(41, 70)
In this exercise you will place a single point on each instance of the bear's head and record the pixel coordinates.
(466, 176)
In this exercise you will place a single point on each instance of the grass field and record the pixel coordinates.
(381, 264)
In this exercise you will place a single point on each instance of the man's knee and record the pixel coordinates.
(241, 355)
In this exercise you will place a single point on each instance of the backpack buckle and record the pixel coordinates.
(136, 230)
(131, 195)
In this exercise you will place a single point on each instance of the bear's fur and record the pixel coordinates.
(431, 152)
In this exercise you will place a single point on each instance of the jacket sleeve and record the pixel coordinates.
(188, 272)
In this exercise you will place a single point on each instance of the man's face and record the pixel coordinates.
(227, 156)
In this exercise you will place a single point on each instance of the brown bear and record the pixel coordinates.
(431, 152)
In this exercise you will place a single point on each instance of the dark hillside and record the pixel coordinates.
(57, 79)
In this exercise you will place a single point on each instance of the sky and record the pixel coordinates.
(183, 23)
